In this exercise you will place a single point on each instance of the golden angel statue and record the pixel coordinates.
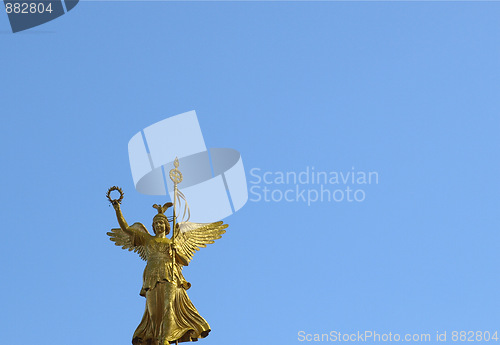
(170, 317)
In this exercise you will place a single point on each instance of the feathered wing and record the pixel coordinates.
(193, 236)
(126, 241)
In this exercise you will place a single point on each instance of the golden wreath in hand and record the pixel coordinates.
(114, 201)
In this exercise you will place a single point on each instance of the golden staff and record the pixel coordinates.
(176, 177)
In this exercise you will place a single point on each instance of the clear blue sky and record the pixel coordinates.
(408, 90)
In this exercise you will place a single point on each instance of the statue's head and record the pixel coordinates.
(160, 221)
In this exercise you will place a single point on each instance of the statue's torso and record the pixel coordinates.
(159, 266)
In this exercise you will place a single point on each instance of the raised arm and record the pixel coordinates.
(121, 220)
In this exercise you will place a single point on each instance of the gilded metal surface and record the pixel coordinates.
(169, 316)
(108, 194)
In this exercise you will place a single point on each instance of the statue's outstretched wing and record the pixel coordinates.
(134, 242)
(193, 236)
